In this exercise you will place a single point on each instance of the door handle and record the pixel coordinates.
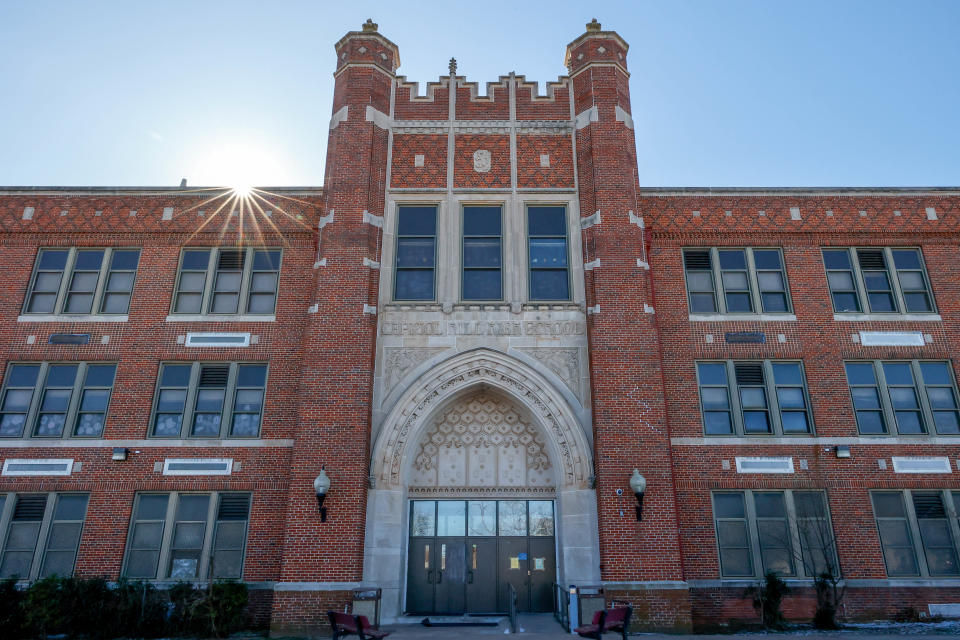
(430, 576)
(469, 577)
(439, 576)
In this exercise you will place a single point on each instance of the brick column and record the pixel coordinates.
(323, 561)
(641, 561)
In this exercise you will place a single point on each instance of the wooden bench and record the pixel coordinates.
(343, 625)
(615, 620)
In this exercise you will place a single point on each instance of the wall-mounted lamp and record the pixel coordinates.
(843, 451)
(120, 453)
(321, 485)
(638, 484)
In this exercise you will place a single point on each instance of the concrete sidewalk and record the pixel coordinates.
(544, 627)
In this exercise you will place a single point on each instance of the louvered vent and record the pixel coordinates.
(696, 259)
(214, 375)
(30, 507)
(234, 506)
(871, 259)
(749, 373)
(230, 259)
(928, 505)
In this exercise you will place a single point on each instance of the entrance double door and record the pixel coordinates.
(469, 573)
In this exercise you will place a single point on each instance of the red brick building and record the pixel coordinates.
(478, 328)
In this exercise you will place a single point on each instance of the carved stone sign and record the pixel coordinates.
(742, 337)
(481, 161)
(483, 328)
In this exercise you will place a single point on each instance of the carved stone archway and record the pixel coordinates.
(396, 442)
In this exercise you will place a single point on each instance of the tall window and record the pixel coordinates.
(209, 400)
(40, 533)
(736, 281)
(187, 536)
(754, 398)
(918, 531)
(787, 532)
(55, 400)
(227, 281)
(416, 253)
(911, 397)
(878, 280)
(82, 281)
(482, 253)
(548, 253)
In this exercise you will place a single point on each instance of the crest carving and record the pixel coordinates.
(481, 161)
(563, 361)
(397, 362)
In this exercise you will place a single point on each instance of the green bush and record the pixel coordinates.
(11, 610)
(216, 610)
(139, 611)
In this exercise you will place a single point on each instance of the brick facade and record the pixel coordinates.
(344, 355)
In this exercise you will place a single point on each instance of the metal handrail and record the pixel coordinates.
(512, 597)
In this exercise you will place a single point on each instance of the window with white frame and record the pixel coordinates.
(482, 253)
(187, 536)
(40, 533)
(548, 253)
(209, 400)
(787, 532)
(415, 273)
(918, 531)
(754, 397)
(878, 280)
(905, 397)
(55, 399)
(82, 281)
(731, 280)
(227, 281)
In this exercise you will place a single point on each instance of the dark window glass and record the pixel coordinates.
(416, 253)
(733, 536)
(482, 253)
(547, 253)
(895, 536)
(17, 396)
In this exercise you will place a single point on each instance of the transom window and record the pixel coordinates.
(225, 281)
(82, 281)
(749, 398)
(918, 531)
(55, 399)
(481, 518)
(416, 253)
(787, 532)
(40, 533)
(187, 536)
(548, 253)
(878, 280)
(910, 397)
(736, 281)
(482, 253)
(209, 400)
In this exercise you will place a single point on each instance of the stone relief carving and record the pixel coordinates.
(573, 456)
(481, 161)
(563, 361)
(398, 361)
(482, 441)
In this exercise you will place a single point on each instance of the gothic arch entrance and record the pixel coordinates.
(481, 478)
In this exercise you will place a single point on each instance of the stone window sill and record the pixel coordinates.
(224, 318)
(59, 317)
(887, 317)
(743, 317)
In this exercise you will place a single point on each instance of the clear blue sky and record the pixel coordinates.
(732, 93)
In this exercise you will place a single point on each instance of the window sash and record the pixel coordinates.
(168, 546)
(74, 411)
(211, 288)
(43, 539)
(920, 388)
(895, 286)
(66, 286)
(773, 409)
(754, 289)
(534, 271)
(466, 270)
(792, 543)
(916, 544)
(192, 391)
(400, 272)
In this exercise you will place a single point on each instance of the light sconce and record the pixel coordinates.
(638, 484)
(120, 453)
(843, 451)
(321, 485)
